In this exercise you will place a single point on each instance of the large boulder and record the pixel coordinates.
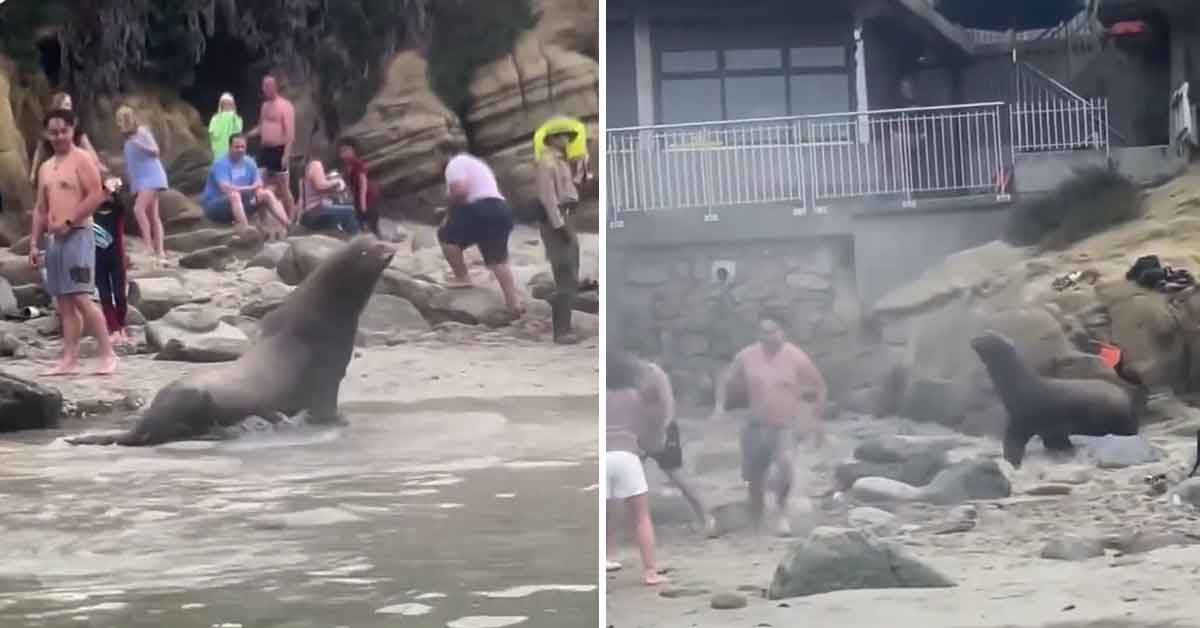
(155, 296)
(405, 136)
(834, 559)
(303, 255)
(16, 195)
(472, 306)
(966, 481)
(8, 298)
(195, 333)
(515, 94)
(386, 317)
(26, 405)
(570, 24)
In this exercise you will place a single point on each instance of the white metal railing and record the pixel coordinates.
(1060, 125)
(1083, 23)
(807, 161)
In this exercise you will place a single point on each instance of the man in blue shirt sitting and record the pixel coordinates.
(235, 189)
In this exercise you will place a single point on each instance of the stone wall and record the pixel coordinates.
(667, 304)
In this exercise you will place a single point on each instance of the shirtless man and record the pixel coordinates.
(69, 192)
(277, 130)
(655, 387)
(787, 397)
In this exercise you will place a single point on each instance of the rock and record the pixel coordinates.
(1047, 490)
(180, 213)
(26, 405)
(876, 489)
(406, 134)
(194, 333)
(303, 255)
(1140, 542)
(155, 296)
(1189, 491)
(471, 306)
(917, 470)
(511, 96)
(874, 520)
(14, 161)
(1072, 548)
(269, 256)
(833, 559)
(213, 258)
(31, 295)
(258, 276)
(1116, 452)
(239, 238)
(17, 270)
(415, 290)
(728, 601)
(387, 316)
(270, 296)
(8, 299)
(965, 481)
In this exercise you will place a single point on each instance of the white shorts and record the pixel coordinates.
(626, 477)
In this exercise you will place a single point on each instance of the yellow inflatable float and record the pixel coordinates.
(577, 149)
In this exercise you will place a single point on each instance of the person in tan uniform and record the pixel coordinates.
(69, 192)
(787, 396)
(558, 197)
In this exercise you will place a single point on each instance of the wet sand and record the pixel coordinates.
(1002, 580)
(462, 494)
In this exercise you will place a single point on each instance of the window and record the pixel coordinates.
(755, 97)
(689, 61)
(767, 59)
(819, 93)
(708, 85)
(691, 100)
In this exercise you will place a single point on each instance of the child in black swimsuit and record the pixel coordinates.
(109, 225)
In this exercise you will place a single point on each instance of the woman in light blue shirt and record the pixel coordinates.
(147, 178)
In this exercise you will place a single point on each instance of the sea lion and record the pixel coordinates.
(297, 363)
(1053, 408)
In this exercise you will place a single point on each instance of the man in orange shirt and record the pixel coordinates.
(787, 398)
(69, 191)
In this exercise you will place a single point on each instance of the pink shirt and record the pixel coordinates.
(777, 385)
(475, 174)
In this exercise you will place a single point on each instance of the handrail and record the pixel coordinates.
(807, 116)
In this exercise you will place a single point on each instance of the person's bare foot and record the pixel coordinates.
(108, 365)
(651, 577)
(711, 530)
(63, 368)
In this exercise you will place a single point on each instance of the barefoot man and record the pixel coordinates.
(787, 396)
(69, 191)
(277, 130)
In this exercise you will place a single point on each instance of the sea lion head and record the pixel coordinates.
(355, 267)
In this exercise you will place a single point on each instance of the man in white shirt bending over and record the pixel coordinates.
(478, 216)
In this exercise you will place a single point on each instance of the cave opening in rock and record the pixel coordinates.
(50, 57)
(228, 65)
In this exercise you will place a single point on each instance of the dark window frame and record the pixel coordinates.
(786, 71)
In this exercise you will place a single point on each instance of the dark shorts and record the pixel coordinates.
(220, 211)
(270, 158)
(71, 263)
(487, 223)
(761, 444)
(671, 456)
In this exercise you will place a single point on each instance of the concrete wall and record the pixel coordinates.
(1149, 165)
(892, 250)
(1042, 172)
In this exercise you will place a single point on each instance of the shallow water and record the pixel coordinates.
(459, 513)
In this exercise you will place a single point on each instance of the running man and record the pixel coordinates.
(69, 191)
(277, 131)
(787, 398)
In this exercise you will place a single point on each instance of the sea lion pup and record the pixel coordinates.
(1052, 408)
(297, 363)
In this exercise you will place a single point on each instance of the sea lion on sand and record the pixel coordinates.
(296, 364)
(1052, 408)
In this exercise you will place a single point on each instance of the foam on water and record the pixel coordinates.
(487, 621)
(531, 589)
(411, 609)
(539, 464)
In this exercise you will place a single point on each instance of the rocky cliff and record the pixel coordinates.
(405, 126)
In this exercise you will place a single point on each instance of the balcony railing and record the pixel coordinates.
(806, 162)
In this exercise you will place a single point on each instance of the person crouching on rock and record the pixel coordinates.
(234, 189)
(787, 398)
(635, 423)
(324, 205)
(111, 260)
(366, 193)
(478, 215)
(69, 191)
(558, 197)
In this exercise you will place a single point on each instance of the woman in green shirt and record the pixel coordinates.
(225, 124)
